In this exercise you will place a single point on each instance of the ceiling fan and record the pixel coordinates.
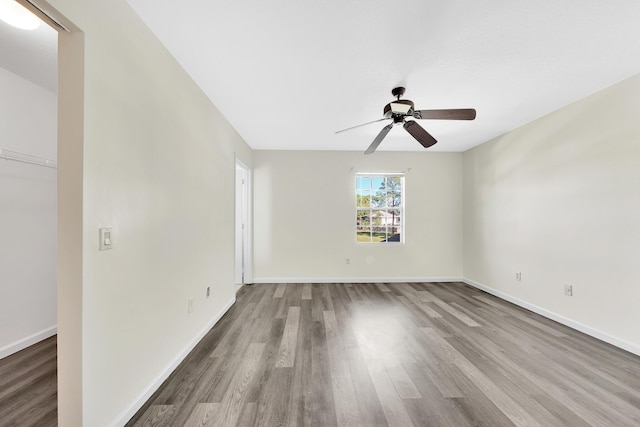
(400, 109)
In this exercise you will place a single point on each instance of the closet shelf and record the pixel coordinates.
(27, 158)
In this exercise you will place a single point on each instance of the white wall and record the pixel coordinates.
(559, 201)
(154, 160)
(27, 215)
(304, 217)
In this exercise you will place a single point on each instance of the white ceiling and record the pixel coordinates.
(287, 74)
(32, 55)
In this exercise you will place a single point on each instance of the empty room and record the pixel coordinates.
(320, 213)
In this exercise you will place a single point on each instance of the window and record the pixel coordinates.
(379, 208)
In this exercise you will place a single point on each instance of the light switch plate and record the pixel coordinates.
(106, 239)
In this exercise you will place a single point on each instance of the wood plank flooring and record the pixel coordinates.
(28, 386)
(422, 354)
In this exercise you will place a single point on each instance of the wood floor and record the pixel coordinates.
(28, 386)
(424, 354)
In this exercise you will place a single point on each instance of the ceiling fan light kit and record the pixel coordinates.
(400, 109)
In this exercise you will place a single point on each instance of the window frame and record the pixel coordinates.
(371, 209)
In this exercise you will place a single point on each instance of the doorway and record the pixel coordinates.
(67, 152)
(28, 180)
(243, 259)
(28, 215)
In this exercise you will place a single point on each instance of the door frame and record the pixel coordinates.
(243, 225)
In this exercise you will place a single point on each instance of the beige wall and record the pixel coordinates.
(559, 201)
(304, 217)
(143, 151)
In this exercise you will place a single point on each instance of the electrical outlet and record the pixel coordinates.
(208, 291)
(568, 290)
(190, 305)
(347, 260)
(519, 277)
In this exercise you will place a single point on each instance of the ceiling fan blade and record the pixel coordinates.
(385, 130)
(455, 114)
(418, 132)
(364, 124)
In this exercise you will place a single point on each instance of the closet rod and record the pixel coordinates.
(27, 158)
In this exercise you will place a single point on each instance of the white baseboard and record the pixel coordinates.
(142, 399)
(354, 279)
(15, 347)
(630, 347)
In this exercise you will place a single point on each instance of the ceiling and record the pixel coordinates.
(33, 55)
(287, 74)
